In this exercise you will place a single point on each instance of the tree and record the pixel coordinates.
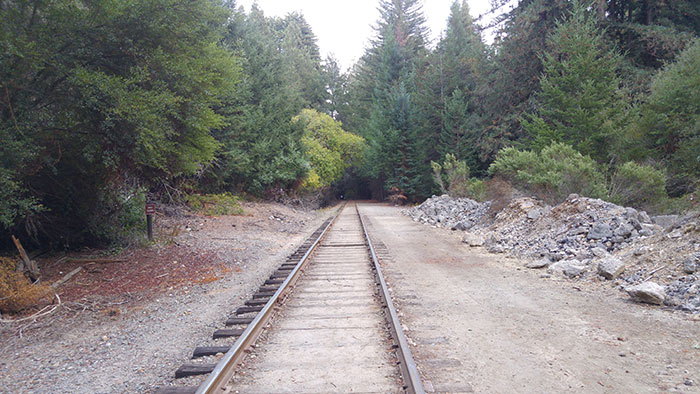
(452, 106)
(513, 75)
(101, 98)
(580, 102)
(336, 83)
(385, 90)
(301, 60)
(329, 149)
(670, 121)
(261, 151)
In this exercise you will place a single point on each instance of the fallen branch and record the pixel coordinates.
(66, 278)
(37, 315)
(85, 260)
(653, 272)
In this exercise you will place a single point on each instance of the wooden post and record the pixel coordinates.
(150, 211)
(149, 225)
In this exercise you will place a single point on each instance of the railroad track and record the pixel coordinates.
(328, 321)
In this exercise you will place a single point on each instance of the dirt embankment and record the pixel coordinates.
(655, 259)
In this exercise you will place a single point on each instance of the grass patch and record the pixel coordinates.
(215, 204)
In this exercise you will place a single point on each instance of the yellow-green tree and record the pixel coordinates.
(329, 149)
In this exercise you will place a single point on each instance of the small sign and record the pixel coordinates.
(150, 209)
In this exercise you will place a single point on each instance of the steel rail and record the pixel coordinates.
(226, 367)
(409, 371)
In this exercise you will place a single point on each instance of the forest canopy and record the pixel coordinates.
(106, 104)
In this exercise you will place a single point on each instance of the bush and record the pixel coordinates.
(215, 204)
(552, 174)
(120, 219)
(453, 178)
(638, 185)
(16, 291)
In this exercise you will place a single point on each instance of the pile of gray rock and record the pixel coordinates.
(579, 238)
(580, 228)
(452, 213)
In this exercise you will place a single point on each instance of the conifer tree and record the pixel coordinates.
(461, 58)
(386, 90)
(580, 101)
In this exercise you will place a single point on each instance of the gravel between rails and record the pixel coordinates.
(140, 347)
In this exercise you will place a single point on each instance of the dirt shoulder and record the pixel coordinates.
(481, 323)
(126, 324)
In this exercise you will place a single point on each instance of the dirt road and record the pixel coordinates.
(480, 323)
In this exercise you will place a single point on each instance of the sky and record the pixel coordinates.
(344, 27)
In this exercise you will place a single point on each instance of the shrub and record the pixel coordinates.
(215, 204)
(552, 174)
(638, 185)
(119, 216)
(453, 178)
(16, 291)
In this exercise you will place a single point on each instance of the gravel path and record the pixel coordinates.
(132, 347)
(482, 323)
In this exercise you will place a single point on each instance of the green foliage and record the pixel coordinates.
(553, 173)
(580, 101)
(384, 101)
(670, 121)
(215, 204)
(638, 185)
(329, 149)
(120, 217)
(453, 178)
(100, 94)
(261, 150)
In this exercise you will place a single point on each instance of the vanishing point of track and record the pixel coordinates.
(326, 313)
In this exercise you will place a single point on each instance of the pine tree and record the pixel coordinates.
(580, 101)
(385, 90)
(461, 56)
(670, 123)
(336, 84)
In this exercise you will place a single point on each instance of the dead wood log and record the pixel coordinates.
(26, 265)
(87, 260)
(66, 277)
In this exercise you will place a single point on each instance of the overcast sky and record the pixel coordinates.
(343, 27)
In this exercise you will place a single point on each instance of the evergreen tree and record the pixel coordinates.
(261, 151)
(670, 123)
(514, 72)
(580, 102)
(101, 98)
(301, 61)
(336, 84)
(385, 79)
(460, 58)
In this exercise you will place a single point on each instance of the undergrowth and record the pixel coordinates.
(215, 204)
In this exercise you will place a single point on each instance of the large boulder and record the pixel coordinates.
(610, 267)
(648, 292)
(539, 263)
(473, 240)
(568, 268)
(692, 263)
(600, 231)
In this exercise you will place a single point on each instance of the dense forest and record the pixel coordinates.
(105, 104)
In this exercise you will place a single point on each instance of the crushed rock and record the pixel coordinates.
(452, 213)
(594, 239)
